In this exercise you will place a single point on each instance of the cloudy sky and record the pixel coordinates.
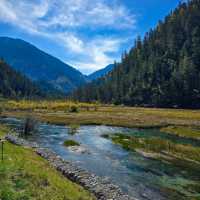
(87, 34)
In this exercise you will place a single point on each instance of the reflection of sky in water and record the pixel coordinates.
(138, 176)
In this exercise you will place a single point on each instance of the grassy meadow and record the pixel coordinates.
(184, 123)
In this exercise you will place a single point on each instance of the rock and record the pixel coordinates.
(78, 149)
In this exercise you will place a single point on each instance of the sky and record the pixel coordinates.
(86, 34)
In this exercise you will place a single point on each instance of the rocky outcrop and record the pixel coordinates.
(102, 188)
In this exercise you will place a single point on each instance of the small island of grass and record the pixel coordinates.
(157, 146)
(69, 143)
(183, 131)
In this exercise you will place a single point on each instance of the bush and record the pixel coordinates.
(29, 126)
(73, 109)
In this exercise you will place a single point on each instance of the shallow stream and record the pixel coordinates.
(140, 177)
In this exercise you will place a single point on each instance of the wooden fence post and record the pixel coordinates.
(2, 146)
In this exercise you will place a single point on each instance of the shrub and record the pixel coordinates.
(73, 109)
(29, 126)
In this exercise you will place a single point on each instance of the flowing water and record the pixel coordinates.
(138, 176)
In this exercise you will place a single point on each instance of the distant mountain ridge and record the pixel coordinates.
(40, 66)
(100, 73)
(15, 85)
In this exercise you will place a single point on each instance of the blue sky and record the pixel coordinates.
(87, 34)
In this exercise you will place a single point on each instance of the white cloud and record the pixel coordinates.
(71, 42)
(95, 54)
(90, 12)
(59, 20)
(24, 14)
(7, 14)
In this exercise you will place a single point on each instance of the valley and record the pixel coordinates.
(99, 100)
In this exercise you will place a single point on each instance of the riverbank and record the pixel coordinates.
(102, 188)
(25, 175)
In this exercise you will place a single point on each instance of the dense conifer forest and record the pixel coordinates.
(15, 85)
(161, 70)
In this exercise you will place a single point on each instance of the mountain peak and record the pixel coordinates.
(39, 66)
(100, 73)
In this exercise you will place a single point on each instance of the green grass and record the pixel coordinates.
(158, 145)
(69, 143)
(24, 175)
(182, 131)
(3, 130)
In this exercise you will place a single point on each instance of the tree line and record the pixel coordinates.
(161, 70)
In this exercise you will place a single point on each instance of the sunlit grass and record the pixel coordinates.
(59, 105)
(60, 112)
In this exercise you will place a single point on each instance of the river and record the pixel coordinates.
(140, 177)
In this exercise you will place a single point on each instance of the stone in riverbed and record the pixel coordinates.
(79, 149)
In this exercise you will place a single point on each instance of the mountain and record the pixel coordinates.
(39, 66)
(13, 84)
(100, 73)
(161, 70)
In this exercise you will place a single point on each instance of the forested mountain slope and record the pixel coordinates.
(39, 66)
(161, 70)
(14, 85)
(100, 73)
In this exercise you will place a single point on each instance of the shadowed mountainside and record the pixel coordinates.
(40, 66)
(100, 73)
(13, 84)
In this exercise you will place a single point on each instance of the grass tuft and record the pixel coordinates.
(69, 143)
